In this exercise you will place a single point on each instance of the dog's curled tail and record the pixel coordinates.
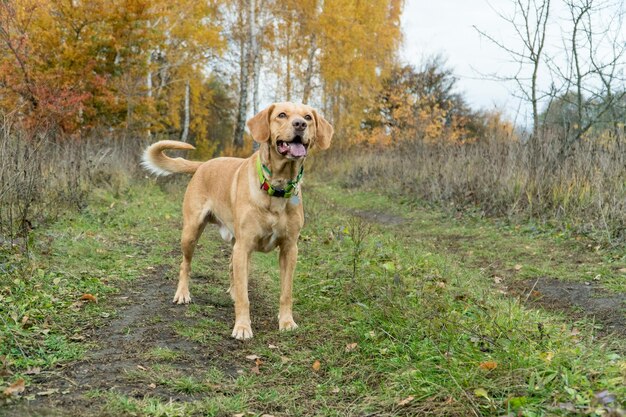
(155, 161)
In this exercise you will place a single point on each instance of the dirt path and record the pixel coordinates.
(146, 321)
(577, 300)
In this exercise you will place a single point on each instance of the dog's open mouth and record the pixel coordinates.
(295, 148)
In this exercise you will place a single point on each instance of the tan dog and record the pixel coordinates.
(256, 202)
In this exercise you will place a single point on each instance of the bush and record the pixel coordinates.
(42, 175)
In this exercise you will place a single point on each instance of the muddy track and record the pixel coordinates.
(145, 319)
(577, 300)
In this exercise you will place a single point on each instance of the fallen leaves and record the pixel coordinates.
(48, 392)
(351, 346)
(89, 297)
(251, 414)
(405, 401)
(517, 267)
(33, 371)
(316, 366)
(481, 392)
(15, 388)
(4, 368)
(257, 368)
(488, 365)
(547, 356)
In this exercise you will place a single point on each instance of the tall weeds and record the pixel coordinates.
(582, 191)
(42, 175)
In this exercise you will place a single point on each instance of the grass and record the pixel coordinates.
(44, 319)
(582, 195)
(397, 317)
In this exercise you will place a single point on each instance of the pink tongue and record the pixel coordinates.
(297, 149)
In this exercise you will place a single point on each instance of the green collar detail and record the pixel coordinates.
(289, 191)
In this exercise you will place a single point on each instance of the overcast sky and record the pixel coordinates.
(446, 27)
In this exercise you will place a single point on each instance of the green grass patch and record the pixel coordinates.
(92, 252)
(397, 317)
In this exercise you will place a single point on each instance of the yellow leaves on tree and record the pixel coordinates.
(357, 50)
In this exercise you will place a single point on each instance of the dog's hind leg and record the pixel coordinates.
(192, 229)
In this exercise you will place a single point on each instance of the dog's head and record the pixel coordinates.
(291, 129)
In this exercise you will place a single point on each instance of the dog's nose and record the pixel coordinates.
(299, 124)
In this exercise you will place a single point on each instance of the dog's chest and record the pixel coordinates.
(272, 234)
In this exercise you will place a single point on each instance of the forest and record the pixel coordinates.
(474, 262)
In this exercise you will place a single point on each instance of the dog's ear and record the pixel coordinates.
(259, 125)
(324, 131)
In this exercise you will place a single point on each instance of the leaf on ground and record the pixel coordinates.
(89, 297)
(488, 365)
(48, 392)
(252, 357)
(316, 366)
(406, 401)
(15, 388)
(351, 346)
(497, 280)
(4, 368)
(481, 392)
(517, 267)
(257, 369)
(33, 371)
(142, 368)
(272, 346)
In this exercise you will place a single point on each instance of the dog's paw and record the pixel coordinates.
(242, 332)
(182, 297)
(287, 325)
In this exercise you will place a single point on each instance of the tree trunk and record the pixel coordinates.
(308, 77)
(185, 133)
(255, 57)
(149, 75)
(244, 66)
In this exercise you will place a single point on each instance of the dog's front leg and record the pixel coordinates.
(239, 292)
(287, 260)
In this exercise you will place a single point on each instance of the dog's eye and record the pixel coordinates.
(282, 115)
(308, 117)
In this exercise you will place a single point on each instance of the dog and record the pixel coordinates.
(256, 202)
